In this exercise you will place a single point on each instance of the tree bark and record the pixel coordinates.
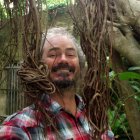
(126, 93)
(127, 46)
(127, 30)
(129, 13)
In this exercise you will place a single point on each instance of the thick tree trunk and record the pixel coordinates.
(126, 93)
(127, 46)
(127, 30)
(129, 13)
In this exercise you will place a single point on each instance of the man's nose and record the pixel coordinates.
(63, 58)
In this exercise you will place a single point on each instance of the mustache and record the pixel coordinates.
(63, 66)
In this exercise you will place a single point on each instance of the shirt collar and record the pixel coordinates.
(80, 103)
(54, 107)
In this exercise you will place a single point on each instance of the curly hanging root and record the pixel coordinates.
(33, 73)
(91, 18)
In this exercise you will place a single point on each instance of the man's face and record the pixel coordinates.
(62, 59)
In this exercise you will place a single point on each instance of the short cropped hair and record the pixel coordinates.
(61, 31)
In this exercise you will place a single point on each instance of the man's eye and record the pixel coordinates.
(71, 55)
(52, 55)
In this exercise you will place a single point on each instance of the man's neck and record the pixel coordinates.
(66, 99)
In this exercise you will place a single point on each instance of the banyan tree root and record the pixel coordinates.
(91, 18)
(33, 73)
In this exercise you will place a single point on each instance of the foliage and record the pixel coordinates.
(117, 117)
(8, 9)
(128, 75)
(134, 80)
(119, 123)
(51, 4)
(54, 3)
(2, 12)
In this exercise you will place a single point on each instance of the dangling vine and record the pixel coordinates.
(91, 20)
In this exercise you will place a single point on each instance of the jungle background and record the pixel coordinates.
(124, 114)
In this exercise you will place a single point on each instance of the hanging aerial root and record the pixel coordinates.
(36, 81)
(91, 19)
(33, 73)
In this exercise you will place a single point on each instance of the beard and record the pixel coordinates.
(64, 83)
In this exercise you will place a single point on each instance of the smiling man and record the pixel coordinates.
(60, 54)
(65, 109)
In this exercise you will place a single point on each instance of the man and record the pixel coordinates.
(64, 109)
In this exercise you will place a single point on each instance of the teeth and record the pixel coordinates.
(64, 70)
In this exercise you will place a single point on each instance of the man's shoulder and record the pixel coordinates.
(23, 118)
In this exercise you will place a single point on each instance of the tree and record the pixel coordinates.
(127, 44)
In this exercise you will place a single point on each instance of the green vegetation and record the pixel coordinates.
(48, 4)
(55, 3)
(117, 116)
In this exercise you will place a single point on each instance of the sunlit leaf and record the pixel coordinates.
(134, 68)
(128, 75)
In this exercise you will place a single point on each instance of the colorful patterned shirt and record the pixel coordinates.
(24, 125)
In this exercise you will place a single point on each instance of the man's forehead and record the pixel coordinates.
(57, 49)
(55, 42)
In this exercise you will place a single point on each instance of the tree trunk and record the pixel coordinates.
(127, 30)
(129, 13)
(127, 46)
(126, 92)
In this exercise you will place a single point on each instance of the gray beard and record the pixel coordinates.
(64, 84)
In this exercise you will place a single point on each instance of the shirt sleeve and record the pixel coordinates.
(12, 133)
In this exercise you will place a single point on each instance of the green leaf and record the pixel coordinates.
(128, 75)
(112, 75)
(54, 3)
(137, 98)
(134, 68)
(136, 88)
